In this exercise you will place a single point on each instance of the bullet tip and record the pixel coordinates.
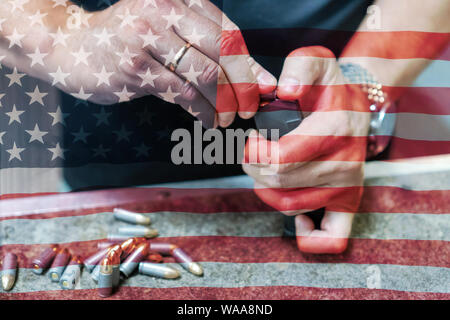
(7, 281)
(172, 274)
(196, 269)
(143, 220)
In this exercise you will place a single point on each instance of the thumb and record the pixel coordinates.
(303, 68)
(266, 81)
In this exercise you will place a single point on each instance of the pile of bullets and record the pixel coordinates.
(117, 259)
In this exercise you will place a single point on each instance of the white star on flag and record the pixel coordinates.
(197, 2)
(37, 57)
(102, 117)
(127, 18)
(14, 115)
(192, 112)
(60, 3)
(104, 37)
(123, 134)
(15, 77)
(81, 56)
(103, 76)
(36, 134)
(59, 77)
(36, 96)
(124, 95)
(195, 37)
(57, 151)
(15, 39)
(192, 75)
(100, 151)
(1, 136)
(169, 96)
(173, 19)
(37, 18)
(145, 117)
(80, 135)
(84, 17)
(149, 39)
(82, 95)
(142, 150)
(1, 96)
(168, 57)
(126, 56)
(58, 116)
(17, 4)
(59, 37)
(15, 152)
(148, 78)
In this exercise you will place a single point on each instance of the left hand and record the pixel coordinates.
(320, 163)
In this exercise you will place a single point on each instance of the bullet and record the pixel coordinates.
(104, 245)
(131, 217)
(129, 245)
(138, 231)
(96, 272)
(105, 278)
(92, 260)
(71, 274)
(164, 248)
(59, 264)
(9, 271)
(44, 260)
(114, 257)
(157, 270)
(155, 257)
(117, 238)
(186, 262)
(139, 254)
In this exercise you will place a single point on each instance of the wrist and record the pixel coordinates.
(382, 108)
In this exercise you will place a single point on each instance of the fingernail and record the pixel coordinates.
(246, 114)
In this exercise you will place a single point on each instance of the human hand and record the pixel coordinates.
(129, 45)
(320, 163)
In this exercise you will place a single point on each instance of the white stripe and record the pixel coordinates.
(239, 275)
(436, 73)
(428, 173)
(177, 224)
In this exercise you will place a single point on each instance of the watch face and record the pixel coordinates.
(383, 120)
(382, 127)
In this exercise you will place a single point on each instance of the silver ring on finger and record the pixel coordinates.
(173, 65)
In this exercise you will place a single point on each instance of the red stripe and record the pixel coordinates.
(402, 44)
(280, 42)
(425, 100)
(405, 148)
(250, 293)
(375, 199)
(275, 249)
(25, 195)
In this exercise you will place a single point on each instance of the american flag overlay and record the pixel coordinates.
(86, 130)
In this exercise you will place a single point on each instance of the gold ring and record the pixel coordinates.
(177, 58)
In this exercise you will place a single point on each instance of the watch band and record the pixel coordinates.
(383, 111)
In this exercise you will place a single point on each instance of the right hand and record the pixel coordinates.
(223, 78)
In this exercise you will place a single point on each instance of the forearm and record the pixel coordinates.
(411, 34)
(31, 28)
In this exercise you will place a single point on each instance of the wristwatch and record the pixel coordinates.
(383, 110)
